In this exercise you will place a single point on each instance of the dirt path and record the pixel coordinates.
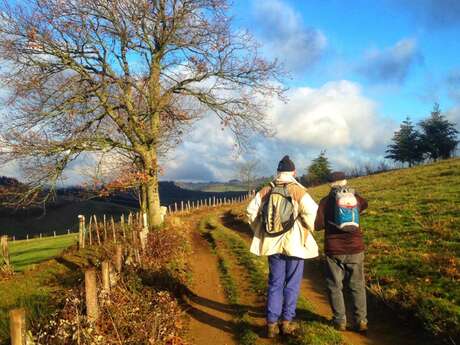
(211, 316)
(385, 328)
(249, 302)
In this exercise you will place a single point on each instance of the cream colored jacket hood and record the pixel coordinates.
(298, 241)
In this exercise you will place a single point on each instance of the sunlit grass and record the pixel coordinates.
(413, 240)
(25, 253)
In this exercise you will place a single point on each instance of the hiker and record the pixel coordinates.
(338, 213)
(281, 216)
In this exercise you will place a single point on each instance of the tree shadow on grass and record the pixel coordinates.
(231, 221)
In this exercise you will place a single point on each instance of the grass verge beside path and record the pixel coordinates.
(314, 330)
(24, 253)
(245, 335)
(40, 290)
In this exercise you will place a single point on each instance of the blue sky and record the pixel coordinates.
(356, 29)
(357, 69)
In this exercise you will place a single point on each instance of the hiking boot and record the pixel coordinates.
(361, 326)
(289, 327)
(272, 330)
(340, 326)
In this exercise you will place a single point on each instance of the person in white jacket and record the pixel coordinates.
(286, 252)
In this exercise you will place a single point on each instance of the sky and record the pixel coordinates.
(356, 70)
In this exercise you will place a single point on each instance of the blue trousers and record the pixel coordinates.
(283, 286)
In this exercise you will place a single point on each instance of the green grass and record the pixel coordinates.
(25, 253)
(314, 330)
(413, 241)
(41, 290)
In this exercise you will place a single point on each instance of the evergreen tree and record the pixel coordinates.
(319, 170)
(439, 136)
(406, 145)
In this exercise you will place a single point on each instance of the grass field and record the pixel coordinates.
(413, 241)
(25, 253)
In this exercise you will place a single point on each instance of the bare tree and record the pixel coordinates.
(126, 76)
(248, 172)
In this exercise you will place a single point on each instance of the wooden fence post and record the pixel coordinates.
(122, 224)
(118, 258)
(81, 231)
(90, 231)
(182, 206)
(136, 239)
(18, 326)
(130, 220)
(113, 229)
(97, 230)
(106, 276)
(92, 308)
(5, 251)
(175, 207)
(105, 228)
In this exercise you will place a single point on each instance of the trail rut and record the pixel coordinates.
(211, 316)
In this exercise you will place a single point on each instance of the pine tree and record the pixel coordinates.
(319, 170)
(439, 136)
(406, 145)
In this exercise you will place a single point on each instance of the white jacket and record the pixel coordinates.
(298, 241)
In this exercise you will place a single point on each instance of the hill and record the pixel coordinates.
(61, 215)
(413, 241)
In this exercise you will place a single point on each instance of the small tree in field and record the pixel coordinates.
(439, 136)
(123, 76)
(406, 145)
(319, 170)
(248, 172)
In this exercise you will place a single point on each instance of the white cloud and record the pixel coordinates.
(336, 117)
(10, 169)
(206, 153)
(453, 115)
(286, 37)
(391, 64)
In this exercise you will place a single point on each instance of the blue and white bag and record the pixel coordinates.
(346, 210)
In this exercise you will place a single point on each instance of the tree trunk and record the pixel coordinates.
(151, 186)
(143, 198)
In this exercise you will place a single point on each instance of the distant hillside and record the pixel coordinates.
(230, 186)
(236, 186)
(61, 215)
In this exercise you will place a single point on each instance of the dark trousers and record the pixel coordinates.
(283, 286)
(346, 270)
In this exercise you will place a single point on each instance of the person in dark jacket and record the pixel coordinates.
(344, 259)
